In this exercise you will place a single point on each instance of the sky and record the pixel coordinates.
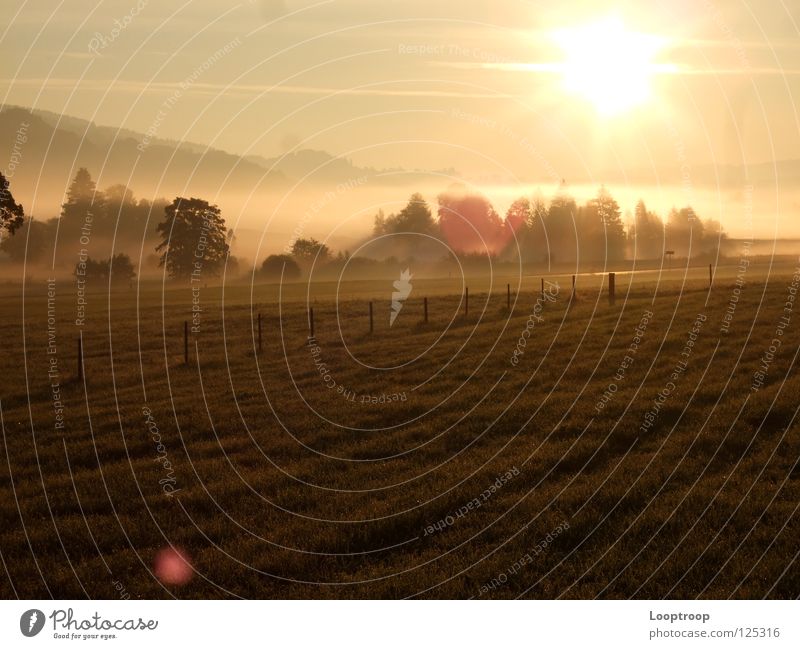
(519, 93)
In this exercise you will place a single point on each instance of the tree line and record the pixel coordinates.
(188, 233)
(556, 232)
(190, 239)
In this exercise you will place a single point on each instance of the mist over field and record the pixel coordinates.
(270, 202)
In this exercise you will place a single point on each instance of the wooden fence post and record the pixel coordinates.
(612, 288)
(542, 286)
(185, 342)
(710, 276)
(572, 297)
(311, 321)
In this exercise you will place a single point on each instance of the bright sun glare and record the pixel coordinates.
(609, 65)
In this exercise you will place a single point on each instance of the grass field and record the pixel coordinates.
(617, 454)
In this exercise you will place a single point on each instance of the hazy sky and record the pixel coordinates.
(483, 87)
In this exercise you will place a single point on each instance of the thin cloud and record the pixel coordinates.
(553, 67)
(249, 89)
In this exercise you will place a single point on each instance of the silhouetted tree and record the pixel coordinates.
(119, 267)
(416, 216)
(532, 237)
(379, 227)
(276, 265)
(714, 236)
(192, 238)
(11, 213)
(29, 241)
(119, 195)
(119, 203)
(520, 213)
(601, 233)
(306, 251)
(84, 204)
(647, 233)
(560, 226)
(524, 218)
(538, 211)
(146, 214)
(122, 217)
(684, 232)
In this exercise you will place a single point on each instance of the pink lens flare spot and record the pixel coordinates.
(172, 567)
(470, 224)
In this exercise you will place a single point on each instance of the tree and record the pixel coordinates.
(140, 228)
(520, 217)
(12, 215)
(416, 216)
(192, 238)
(29, 241)
(601, 231)
(538, 211)
(714, 237)
(91, 269)
(469, 223)
(83, 200)
(277, 266)
(119, 267)
(122, 217)
(82, 217)
(684, 231)
(379, 227)
(647, 233)
(307, 251)
(560, 228)
(520, 214)
(531, 237)
(120, 205)
(120, 195)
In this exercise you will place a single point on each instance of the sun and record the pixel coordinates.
(609, 66)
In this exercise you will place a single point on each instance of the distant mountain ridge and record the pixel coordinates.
(52, 151)
(295, 164)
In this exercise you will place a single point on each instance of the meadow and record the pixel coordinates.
(566, 448)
